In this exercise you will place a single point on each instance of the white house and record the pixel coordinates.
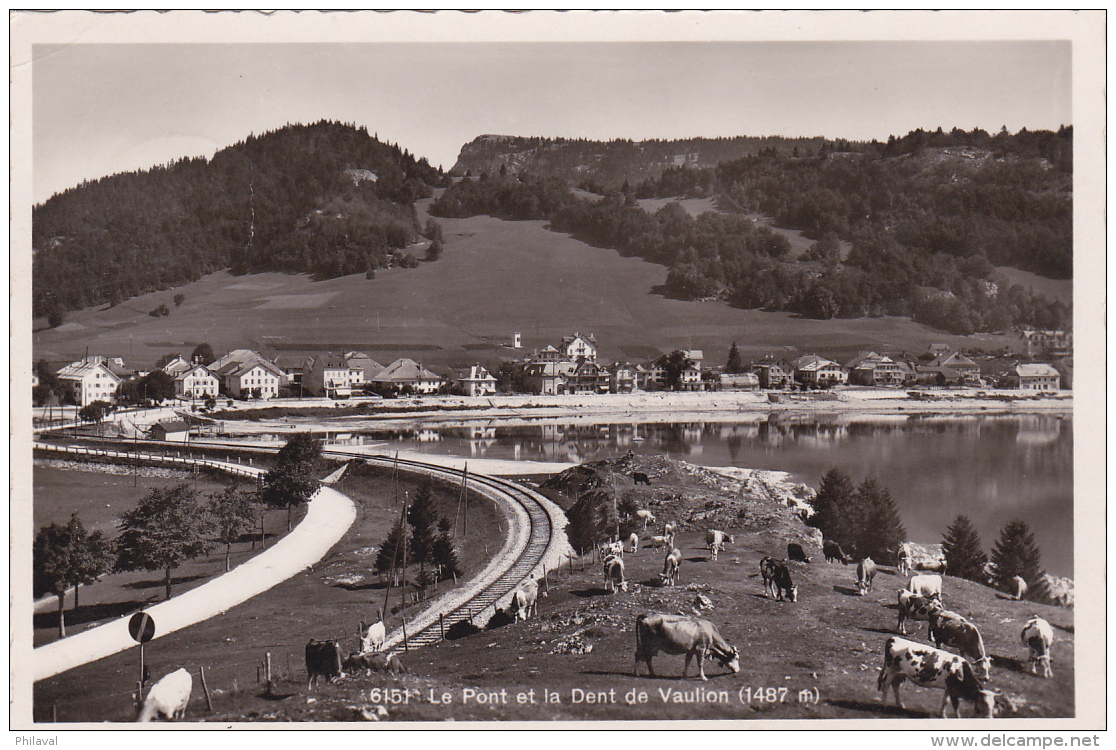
(1035, 377)
(196, 382)
(580, 347)
(814, 370)
(406, 372)
(477, 381)
(331, 376)
(90, 380)
(243, 380)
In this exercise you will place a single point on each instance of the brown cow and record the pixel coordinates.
(676, 634)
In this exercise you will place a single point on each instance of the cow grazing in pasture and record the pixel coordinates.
(646, 517)
(638, 477)
(676, 634)
(915, 607)
(951, 629)
(660, 541)
(865, 573)
(671, 565)
(931, 566)
(926, 666)
(929, 586)
(833, 551)
(777, 579)
(614, 575)
(168, 697)
(1039, 636)
(372, 636)
(904, 556)
(1020, 588)
(633, 543)
(524, 601)
(323, 660)
(715, 540)
(374, 662)
(611, 549)
(796, 553)
(669, 529)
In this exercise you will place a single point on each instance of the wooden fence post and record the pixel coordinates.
(208, 700)
(269, 673)
(442, 625)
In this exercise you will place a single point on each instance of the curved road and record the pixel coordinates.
(329, 515)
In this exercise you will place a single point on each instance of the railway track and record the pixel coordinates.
(535, 544)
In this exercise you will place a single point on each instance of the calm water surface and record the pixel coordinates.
(990, 468)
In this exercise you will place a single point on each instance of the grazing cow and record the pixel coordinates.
(168, 697)
(915, 607)
(646, 516)
(951, 629)
(640, 478)
(796, 553)
(833, 552)
(1039, 636)
(926, 666)
(633, 543)
(929, 586)
(777, 579)
(904, 558)
(611, 549)
(524, 601)
(931, 566)
(660, 541)
(323, 660)
(372, 636)
(670, 567)
(1020, 587)
(865, 572)
(715, 540)
(614, 575)
(376, 662)
(669, 529)
(676, 634)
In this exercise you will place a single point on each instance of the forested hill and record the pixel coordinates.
(924, 218)
(327, 199)
(603, 165)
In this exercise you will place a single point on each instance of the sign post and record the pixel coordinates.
(142, 629)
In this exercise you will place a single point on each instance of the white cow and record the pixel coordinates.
(670, 567)
(715, 540)
(633, 543)
(927, 666)
(168, 697)
(1039, 636)
(646, 516)
(614, 575)
(865, 573)
(674, 634)
(929, 586)
(670, 528)
(660, 541)
(524, 601)
(1020, 587)
(611, 549)
(372, 636)
(905, 555)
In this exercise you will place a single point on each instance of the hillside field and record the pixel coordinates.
(493, 279)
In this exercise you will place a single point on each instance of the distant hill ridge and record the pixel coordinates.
(327, 199)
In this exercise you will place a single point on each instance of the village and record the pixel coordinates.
(97, 383)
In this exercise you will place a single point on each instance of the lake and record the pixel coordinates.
(991, 468)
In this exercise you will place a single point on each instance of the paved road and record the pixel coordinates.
(329, 515)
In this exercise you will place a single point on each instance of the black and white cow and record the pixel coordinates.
(777, 579)
(1039, 636)
(927, 666)
(951, 629)
(915, 607)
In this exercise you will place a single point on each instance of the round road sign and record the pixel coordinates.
(142, 627)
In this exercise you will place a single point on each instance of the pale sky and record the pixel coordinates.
(99, 109)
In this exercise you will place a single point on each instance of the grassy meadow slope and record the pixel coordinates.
(494, 278)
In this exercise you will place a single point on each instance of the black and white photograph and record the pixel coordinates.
(585, 369)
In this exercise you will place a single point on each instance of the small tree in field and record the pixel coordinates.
(422, 517)
(963, 553)
(391, 549)
(443, 553)
(734, 366)
(233, 513)
(65, 556)
(165, 530)
(293, 479)
(1016, 554)
(93, 557)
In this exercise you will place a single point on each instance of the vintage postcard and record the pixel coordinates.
(558, 369)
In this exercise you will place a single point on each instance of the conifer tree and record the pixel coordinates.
(391, 549)
(963, 553)
(733, 366)
(832, 505)
(1016, 554)
(879, 530)
(443, 553)
(423, 519)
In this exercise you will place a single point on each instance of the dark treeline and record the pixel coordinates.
(281, 201)
(925, 227)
